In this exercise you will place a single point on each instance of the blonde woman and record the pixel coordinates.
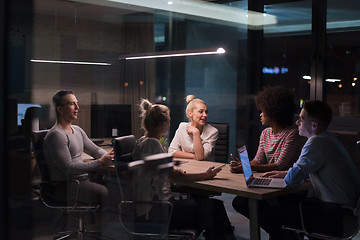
(203, 214)
(196, 138)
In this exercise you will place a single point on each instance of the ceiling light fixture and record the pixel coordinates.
(195, 8)
(70, 62)
(305, 77)
(180, 53)
(332, 80)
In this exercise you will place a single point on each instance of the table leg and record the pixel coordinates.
(254, 219)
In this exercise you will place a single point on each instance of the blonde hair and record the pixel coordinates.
(192, 101)
(153, 116)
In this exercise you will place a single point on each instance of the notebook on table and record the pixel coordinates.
(252, 181)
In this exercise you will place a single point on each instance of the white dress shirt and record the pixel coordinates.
(182, 141)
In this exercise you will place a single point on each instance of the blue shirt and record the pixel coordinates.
(332, 172)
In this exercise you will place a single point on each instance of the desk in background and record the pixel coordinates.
(104, 170)
(104, 143)
(234, 183)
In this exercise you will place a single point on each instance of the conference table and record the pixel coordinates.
(227, 182)
(234, 183)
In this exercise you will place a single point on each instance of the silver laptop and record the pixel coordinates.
(252, 181)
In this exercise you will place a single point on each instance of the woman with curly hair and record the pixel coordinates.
(280, 144)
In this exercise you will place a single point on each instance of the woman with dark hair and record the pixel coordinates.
(280, 144)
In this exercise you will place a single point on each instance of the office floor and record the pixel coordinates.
(43, 228)
(240, 222)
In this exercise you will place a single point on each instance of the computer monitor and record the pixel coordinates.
(21, 111)
(110, 120)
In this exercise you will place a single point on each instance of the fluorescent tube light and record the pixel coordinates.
(305, 77)
(332, 80)
(180, 53)
(70, 62)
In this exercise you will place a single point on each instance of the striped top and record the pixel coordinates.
(283, 148)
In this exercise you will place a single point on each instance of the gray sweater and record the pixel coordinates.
(62, 151)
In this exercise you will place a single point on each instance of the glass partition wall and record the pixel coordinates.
(342, 69)
(97, 49)
(104, 37)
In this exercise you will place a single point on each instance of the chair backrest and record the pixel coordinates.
(141, 215)
(341, 222)
(140, 174)
(222, 143)
(160, 163)
(48, 197)
(37, 138)
(123, 147)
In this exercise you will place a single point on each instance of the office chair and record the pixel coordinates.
(50, 200)
(342, 222)
(150, 219)
(123, 147)
(222, 143)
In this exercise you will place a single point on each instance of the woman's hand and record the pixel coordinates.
(236, 168)
(198, 147)
(235, 165)
(211, 172)
(274, 174)
(107, 159)
(191, 130)
(236, 160)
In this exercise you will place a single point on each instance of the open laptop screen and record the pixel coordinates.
(245, 162)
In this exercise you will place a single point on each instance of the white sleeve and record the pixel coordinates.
(175, 144)
(209, 142)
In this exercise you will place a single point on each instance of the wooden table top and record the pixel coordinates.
(224, 181)
(233, 183)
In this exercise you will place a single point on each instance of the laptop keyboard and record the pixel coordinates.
(261, 181)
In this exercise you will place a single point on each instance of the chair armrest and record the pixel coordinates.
(50, 193)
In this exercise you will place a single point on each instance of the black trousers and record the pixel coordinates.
(89, 192)
(274, 213)
(203, 214)
(273, 218)
(319, 217)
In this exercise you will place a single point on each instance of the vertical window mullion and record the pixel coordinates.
(318, 34)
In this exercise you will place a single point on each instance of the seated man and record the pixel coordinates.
(63, 146)
(324, 159)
